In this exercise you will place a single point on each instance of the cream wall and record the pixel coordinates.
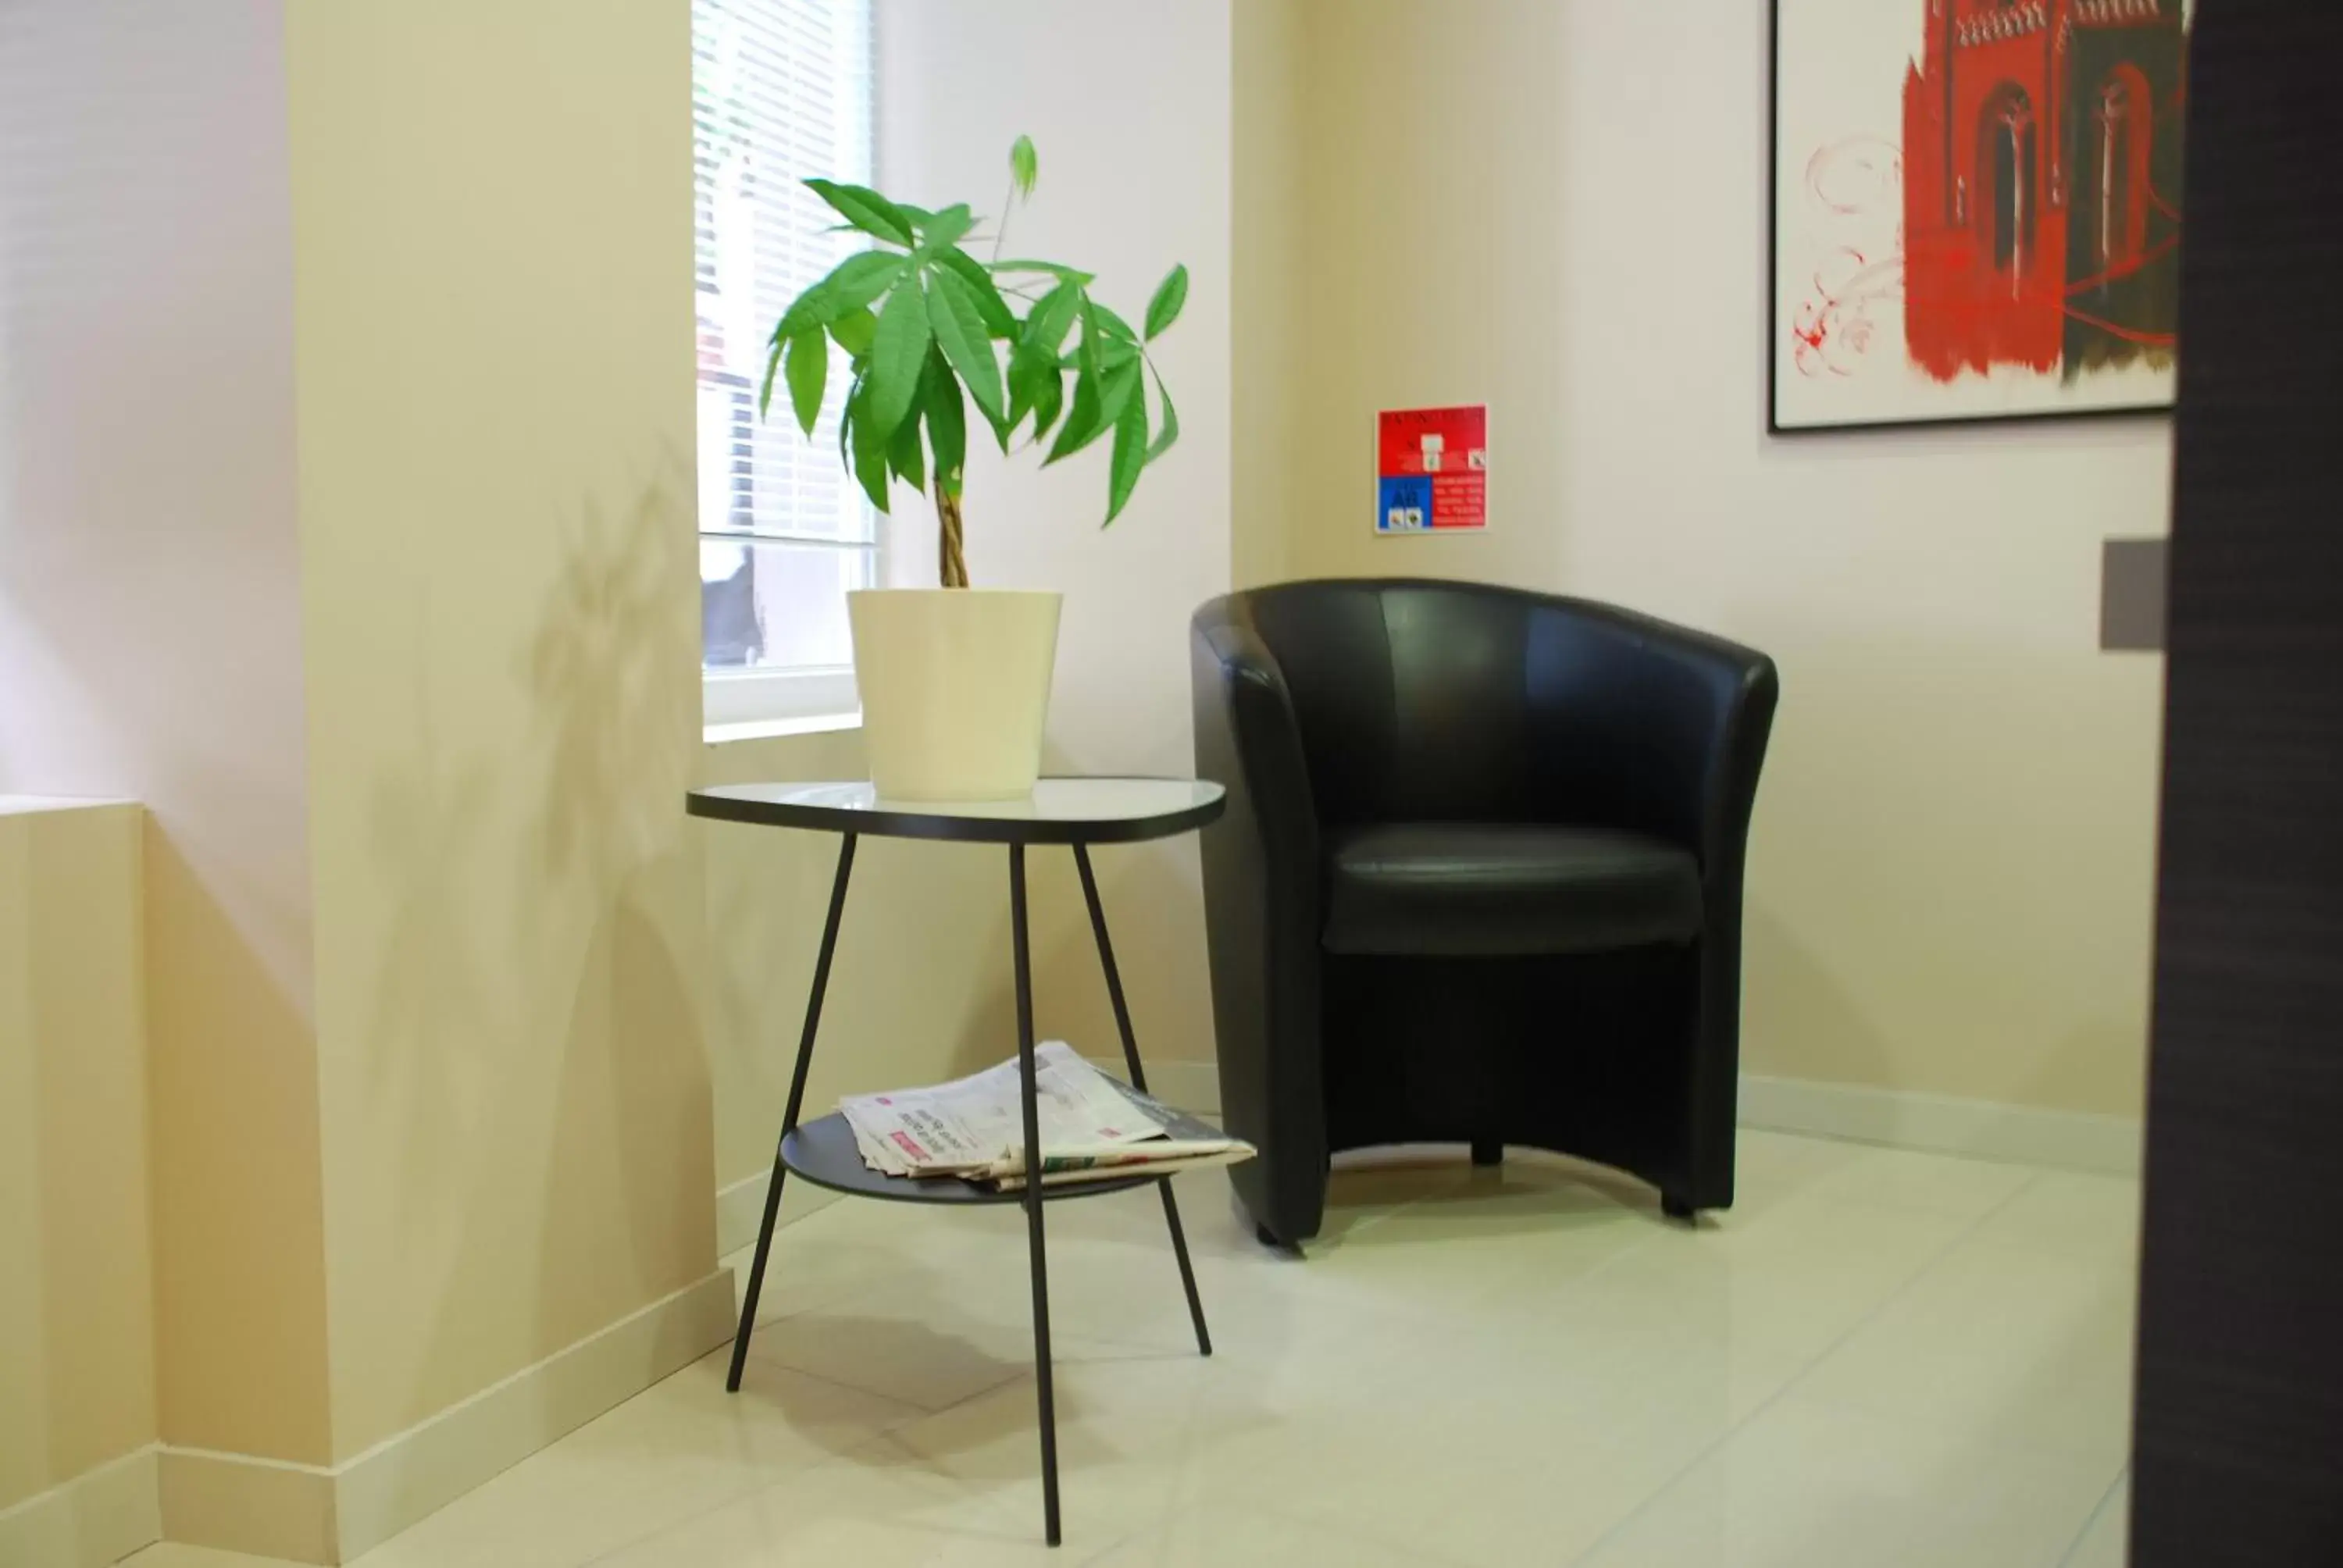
(1270, 68)
(1129, 102)
(492, 250)
(77, 1319)
(1949, 883)
(150, 631)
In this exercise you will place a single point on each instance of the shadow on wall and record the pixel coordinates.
(427, 829)
(614, 668)
(536, 1029)
(615, 672)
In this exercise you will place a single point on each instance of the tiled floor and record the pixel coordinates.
(1878, 1360)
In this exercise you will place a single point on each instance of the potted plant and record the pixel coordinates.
(955, 679)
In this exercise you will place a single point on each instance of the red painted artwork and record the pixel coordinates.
(2023, 229)
(2041, 184)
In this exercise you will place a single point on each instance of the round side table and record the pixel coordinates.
(1075, 812)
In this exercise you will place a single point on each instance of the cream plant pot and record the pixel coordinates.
(955, 685)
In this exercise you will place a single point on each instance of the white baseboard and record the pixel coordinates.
(329, 1514)
(241, 1503)
(94, 1521)
(1902, 1118)
(1944, 1124)
(393, 1484)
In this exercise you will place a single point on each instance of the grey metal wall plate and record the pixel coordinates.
(2132, 585)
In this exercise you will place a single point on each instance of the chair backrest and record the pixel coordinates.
(1428, 700)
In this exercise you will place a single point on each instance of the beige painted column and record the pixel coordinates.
(346, 518)
(493, 260)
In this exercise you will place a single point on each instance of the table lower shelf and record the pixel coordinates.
(823, 1152)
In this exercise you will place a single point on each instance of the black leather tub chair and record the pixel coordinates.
(1479, 880)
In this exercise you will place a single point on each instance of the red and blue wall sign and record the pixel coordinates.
(1432, 468)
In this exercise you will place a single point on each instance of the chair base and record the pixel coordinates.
(1269, 1238)
(1302, 1222)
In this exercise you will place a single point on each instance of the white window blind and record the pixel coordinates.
(782, 90)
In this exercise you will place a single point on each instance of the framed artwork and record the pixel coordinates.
(1976, 209)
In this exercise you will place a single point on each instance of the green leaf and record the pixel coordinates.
(1034, 383)
(1047, 399)
(1129, 456)
(1025, 371)
(1104, 391)
(1082, 420)
(1086, 343)
(1118, 390)
(1170, 296)
(850, 285)
(1024, 164)
(947, 420)
(869, 448)
(845, 424)
(1052, 317)
(1171, 432)
(772, 369)
(942, 230)
(1084, 424)
(867, 210)
(1113, 326)
(999, 319)
(1054, 268)
(903, 453)
(854, 331)
(959, 331)
(809, 372)
(896, 352)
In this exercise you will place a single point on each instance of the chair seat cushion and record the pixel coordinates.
(1498, 888)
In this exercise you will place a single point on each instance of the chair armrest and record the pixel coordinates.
(1710, 714)
(1249, 742)
(1667, 727)
(1262, 898)
(1727, 730)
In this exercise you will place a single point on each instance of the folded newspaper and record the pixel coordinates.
(1093, 1127)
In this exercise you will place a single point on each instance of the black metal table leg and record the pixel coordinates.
(790, 1116)
(1034, 1243)
(1139, 1081)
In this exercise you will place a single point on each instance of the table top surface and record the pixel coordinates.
(1058, 811)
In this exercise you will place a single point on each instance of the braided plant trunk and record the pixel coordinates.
(952, 563)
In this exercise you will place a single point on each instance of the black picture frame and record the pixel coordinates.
(1775, 325)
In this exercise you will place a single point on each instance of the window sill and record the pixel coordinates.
(772, 729)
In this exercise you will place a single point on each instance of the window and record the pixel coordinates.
(782, 90)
